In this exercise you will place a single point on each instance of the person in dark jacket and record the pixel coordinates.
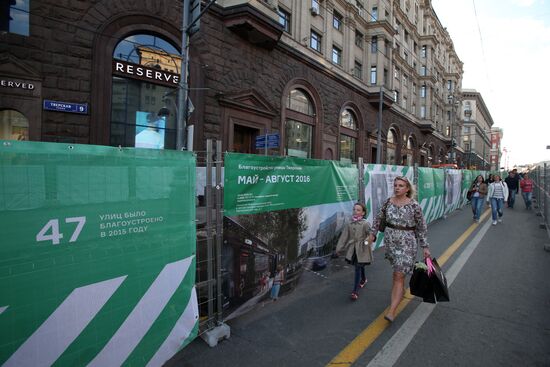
(512, 181)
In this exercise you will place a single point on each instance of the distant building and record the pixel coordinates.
(496, 151)
(477, 131)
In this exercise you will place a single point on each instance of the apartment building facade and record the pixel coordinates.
(476, 138)
(314, 72)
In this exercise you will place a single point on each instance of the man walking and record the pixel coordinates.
(512, 181)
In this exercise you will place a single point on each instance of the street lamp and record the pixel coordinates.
(452, 102)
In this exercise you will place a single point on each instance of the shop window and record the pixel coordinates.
(348, 136)
(299, 125)
(14, 16)
(13, 125)
(392, 147)
(144, 93)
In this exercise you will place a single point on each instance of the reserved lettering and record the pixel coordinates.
(13, 84)
(142, 72)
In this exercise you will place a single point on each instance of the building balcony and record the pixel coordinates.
(426, 126)
(257, 24)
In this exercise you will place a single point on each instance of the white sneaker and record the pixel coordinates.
(500, 220)
(494, 222)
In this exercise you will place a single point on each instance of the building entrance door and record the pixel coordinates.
(244, 139)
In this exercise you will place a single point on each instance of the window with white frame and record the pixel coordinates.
(284, 19)
(336, 55)
(423, 91)
(374, 14)
(337, 21)
(373, 75)
(315, 41)
(315, 5)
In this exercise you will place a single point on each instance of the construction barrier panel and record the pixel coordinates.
(97, 259)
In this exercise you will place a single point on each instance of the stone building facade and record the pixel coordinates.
(315, 72)
(477, 128)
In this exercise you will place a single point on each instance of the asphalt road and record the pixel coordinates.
(499, 313)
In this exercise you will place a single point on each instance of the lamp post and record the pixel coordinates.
(484, 136)
(452, 103)
(379, 124)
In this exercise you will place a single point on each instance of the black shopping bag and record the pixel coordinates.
(439, 283)
(421, 285)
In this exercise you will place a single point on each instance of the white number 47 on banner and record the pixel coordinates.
(56, 236)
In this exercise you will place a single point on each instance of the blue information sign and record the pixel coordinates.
(272, 141)
(66, 107)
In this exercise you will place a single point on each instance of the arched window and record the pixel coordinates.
(144, 91)
(348, 136)
(13, 125)
(408, 156)
(392, 147)
(299, 124)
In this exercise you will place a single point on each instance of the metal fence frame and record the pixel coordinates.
(541, 194)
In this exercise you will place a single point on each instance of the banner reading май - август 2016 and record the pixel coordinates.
(255, 184)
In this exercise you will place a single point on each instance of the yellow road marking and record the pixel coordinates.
(357, 347)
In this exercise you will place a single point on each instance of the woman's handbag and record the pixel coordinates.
(429, 282)
(383, 222)
(469, 195)
(439, 282)
(420, 284)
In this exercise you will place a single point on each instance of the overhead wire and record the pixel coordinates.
(482, 46)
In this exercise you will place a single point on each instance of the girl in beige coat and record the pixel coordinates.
(354, 244)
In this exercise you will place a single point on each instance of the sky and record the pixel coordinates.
(505, 48)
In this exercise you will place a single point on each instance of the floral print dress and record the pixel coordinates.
(402, 245)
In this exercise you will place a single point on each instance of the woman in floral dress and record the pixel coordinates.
(405, 230)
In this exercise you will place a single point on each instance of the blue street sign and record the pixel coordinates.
(272, 141)
(70, 107)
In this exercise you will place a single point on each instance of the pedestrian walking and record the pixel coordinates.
(512, 181)
(526, 186)
(490, 179)
(479, 191)
(497, 195)
(354, 243)
(278, 281)
(405, 229)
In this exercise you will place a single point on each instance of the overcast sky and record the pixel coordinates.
(507, 59)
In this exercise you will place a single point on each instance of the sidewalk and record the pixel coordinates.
(498, 314)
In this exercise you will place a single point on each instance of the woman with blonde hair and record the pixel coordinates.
(405, 229)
